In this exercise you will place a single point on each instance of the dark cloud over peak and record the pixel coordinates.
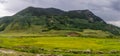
(109, 10)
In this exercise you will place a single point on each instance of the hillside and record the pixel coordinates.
(39, 20)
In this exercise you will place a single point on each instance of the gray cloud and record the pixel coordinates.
(109, 10)
(116, 5)
(3, 1)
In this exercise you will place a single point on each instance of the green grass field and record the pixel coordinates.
(59, 45)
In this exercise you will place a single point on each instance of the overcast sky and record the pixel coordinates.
(108, 10)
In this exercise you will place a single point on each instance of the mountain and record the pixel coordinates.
(34, 19)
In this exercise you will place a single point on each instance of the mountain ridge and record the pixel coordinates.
(45, 19)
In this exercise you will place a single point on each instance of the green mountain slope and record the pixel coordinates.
(44, 19)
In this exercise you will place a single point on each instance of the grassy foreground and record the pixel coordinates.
(61, 45)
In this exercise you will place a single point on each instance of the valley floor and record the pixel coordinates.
(62, 46)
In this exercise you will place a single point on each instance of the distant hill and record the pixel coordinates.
(34, 19)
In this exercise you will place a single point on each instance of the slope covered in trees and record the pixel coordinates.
(45, 19)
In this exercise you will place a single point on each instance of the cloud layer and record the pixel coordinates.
(109, 10)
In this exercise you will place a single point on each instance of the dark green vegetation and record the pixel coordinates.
(37, 20)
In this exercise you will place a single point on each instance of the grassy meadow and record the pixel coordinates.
(86, 43)
(61, 45)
